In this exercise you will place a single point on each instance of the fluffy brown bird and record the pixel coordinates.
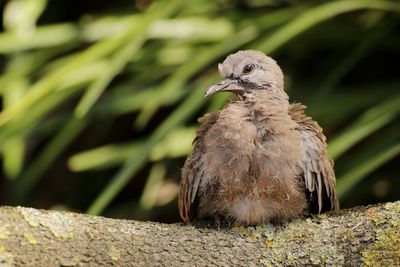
(259, 159)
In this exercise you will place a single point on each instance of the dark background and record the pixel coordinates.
(343, 65)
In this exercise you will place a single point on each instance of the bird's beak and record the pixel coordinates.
(226, 85)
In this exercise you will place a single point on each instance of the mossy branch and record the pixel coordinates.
(367, 236)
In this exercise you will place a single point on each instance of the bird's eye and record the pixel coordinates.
(248, 68)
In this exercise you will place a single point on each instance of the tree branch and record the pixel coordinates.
(363, 235)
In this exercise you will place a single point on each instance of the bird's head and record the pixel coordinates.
(248, 71)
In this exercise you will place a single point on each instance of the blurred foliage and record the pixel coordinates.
(100, 98)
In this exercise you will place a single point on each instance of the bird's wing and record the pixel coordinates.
(317, 168)
(193, 172)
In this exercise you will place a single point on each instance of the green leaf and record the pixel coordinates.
(125, 53)
(149, 196)
(370, 121)
(138, 159)
(43, 37)
(47, 157)
(354, 176)
(177, 143)
(317, 15)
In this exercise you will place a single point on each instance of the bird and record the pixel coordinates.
(259, 159)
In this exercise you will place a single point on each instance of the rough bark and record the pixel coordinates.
(368, 236)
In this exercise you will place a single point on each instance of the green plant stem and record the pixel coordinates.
(348, 181)
(47, 156)
(372, 120)
(317, 15)
(131, 43)
(191, 104)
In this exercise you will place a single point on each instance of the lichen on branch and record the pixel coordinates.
(368, 236)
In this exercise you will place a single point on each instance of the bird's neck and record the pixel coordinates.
(268, 110)
(267, 102)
